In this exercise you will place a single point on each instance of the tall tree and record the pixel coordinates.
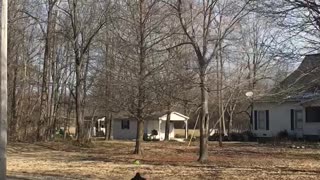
(206, 24)
(83, 29)
(174, 81)
(142, 29)
(48, 52)
(3, 88)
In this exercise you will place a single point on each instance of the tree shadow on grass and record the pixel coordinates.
(17, 178)
(39, 176)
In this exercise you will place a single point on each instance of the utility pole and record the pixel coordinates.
(3, 90)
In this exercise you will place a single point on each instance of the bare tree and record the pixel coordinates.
(48, 52)
(142, 29)
(299, 18)
(3, 97)
(82, 32)
(174, 81)
(203, 29)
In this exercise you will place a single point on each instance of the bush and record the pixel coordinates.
(193, 138)
(264, 140)
(244, 136)
(61, 131)
(283, 135)
(249, 136)
(100, 134)
(146, 137)
(311, 138)
(236, 137)
(215, 137)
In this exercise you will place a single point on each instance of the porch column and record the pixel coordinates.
(186, 128)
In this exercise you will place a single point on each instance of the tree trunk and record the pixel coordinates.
(3, 87)
(204, 120)
(14, 118)
(82, 137)
(69, 110)
(142, 73)
(230, 124)
(167, 131)
(107, 93)
(139, 138)
(65, 128)
(106, 125)
(140, 121)
(54, 104)
(110, 127)
(41, 129)
(220, 79)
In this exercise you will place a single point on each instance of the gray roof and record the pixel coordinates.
(151, 117)
(302, 84)
(154, 116)
(306, 77)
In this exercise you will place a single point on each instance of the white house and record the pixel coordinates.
(293, 106)
(126, 128)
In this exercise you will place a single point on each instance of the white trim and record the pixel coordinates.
(164, 117)
(184, 116)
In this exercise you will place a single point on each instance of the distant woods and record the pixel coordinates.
(71, 59)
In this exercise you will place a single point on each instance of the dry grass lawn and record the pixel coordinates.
(160, 160)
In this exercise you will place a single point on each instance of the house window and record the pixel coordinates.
(261, 120)
(298, 118)
(312, 114)
(125, 124)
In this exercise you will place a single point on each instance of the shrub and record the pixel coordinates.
(179, 136)
(61, 131)
(146, 137)
(249, 136)
(100, 134)
(193, 138)
(215, 137)
(283, 135)
(243, 136)
(236, 137)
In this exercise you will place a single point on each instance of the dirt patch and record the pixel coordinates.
(160, 160)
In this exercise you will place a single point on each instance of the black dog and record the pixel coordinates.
(138, 177)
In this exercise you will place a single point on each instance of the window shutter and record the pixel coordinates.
(267, 119)
(255, 120)
(292, 119)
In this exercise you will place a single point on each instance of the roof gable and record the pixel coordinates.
(305, 77)
(303, 83)
(174, 116)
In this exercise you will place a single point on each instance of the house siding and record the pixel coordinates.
(279, 118)
(124, 134)
(131, 133)
(158, 124)
(163, 130)
(151, 125)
